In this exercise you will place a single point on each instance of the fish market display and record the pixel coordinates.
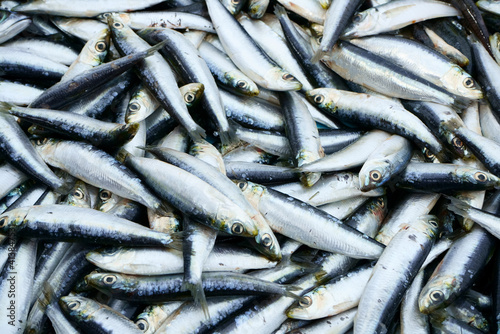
(231, 166)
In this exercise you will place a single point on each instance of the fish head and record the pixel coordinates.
(251, 191)
(117, 25)
(267, 244)
(79, 195)
(12, 24)
(430, 225)
(481, 177)
(460, 83)
(437, 292)
(324, 98)
(44, 146)
(103, 256)
(106, 200)
(256, 9)
(12, 220)
(280, 80)
(374, 176)
(310, 305)
(78, 307)
(107, 282)
(192, 93)
(362, 23)
(243, 85)
(96, 48)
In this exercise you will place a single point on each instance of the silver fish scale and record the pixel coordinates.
(413, 180)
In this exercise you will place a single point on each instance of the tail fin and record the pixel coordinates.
(124, 133)
(318, 55)
(199, 296)
(197, 134)
(122, 155)
(280, 11)
(6, 107)
(229, 140)
(289, 293)
(460, 103)
(155, 48)
(459, 207)
(176, 242)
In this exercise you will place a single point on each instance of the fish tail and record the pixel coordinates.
(125, 133)
(229, 140)
(176, 241)
(6, 107)
(197, 134)
(460, 103)
(280, 11)
(199, 296)
(289, 293)
(122, 155)
(318, 55)
(155, 48)
(459, 207)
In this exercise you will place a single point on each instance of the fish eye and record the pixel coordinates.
(357, 18)
(288, 77)
(109, 279)
(110, 251)
(237, 228)
(266, 240)
(142, 324)
(469, 83)
(73, 305)
(433, 222)
(242, 84)
(100, 46)
(3, 221)
(457, 142)
(78, 194)
(437, 296)
(319, 98)
(375, 175)
(305, 302)
(428, 154)
(242, 185)
(481, 177)
(134, 107)
(320, 39)
(106, 15)
(104, 195)
(189, 97)
(381, 202)
(117, 25)
(235, 1)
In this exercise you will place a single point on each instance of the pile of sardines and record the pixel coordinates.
(294, 166)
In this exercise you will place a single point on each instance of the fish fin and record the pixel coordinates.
(289, 293)
(199, 296)
(318, 55)
(458, 207)
(197, 133)
(122, 155)
(280, 11)
(6, 107)
(176, 243)
(124, 133)
(155, 48)
(229, 140)
(460, 103)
